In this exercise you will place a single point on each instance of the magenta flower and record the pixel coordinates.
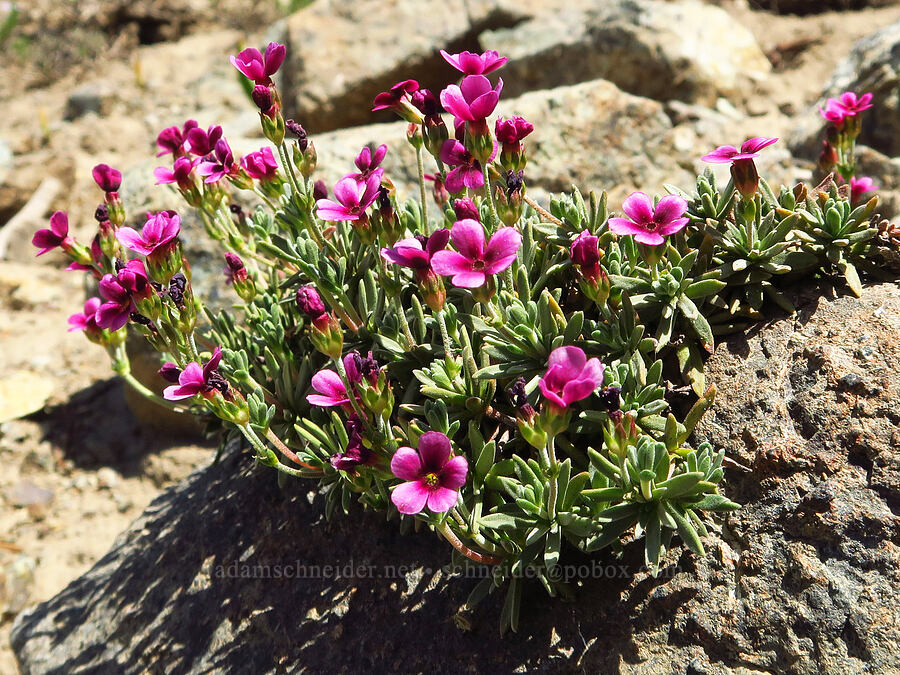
(120, 292)
(852, 104)
(860, 186)
(222, 165)
(417, 253)
(649, 225)
(196, 379)
(584, 251)
(353, 198)
(473, 100)
(234, 269)
(107, 178)
(475, 64)
(398, 99)
(472, 261)
(570, 377)
(833, 112)
(433, 478)
(57, 235)
(330, 386)
(467, 170)
(512, 131)
(180, 173)
(356, 453)
(160, 229)
(260, 67)
(86, 321)
(368, 162)
(750, 148)
(465, 208)
(203, 141)
(173, 139)
(169, 372)
(261, 165)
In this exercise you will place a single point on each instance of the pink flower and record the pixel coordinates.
(172, 139)
(221, 165)
(202, 142)
(475, 64)
(465, 208)
(86, 321)
(512, 131)
(570, 377)
(433, 478)
(356, 453)
(119, 291)
(833, 112)
(860, 186)
(56, 236)
(353, 198)
(261, 165)
(180, 173)
(398, 99)
(584, 251)
(258, 67)
(851, 104)
(330, 386)
(473, 100)
(368, 162)
(160, 229)
(416, 253)
(649, 225)
(728, 153)
(107, 178)
(196, 379)
(474, 261)
(467, 170)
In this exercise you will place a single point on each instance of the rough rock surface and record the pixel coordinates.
(803, 579)
(687, 50)
(340, 55)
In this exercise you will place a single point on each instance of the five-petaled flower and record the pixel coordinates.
(416, 253)
(368, 162)
(158, 232)
(398, 99)
(87, 320)
(196, 379)
(472, 262)
(860, 186)
(180, 173)
(330, 386)
(466, 171)
(649, 224)
(433, 478)
(219, 165)
(172, 139)
(203, 141)
(847, 105)
(743, 169)
(356, 453)
(120, 291)
(353, 198)
(261, 165)
(570, 377)
(257, 66)
(473, 99)
(469, 63)
(56, 236)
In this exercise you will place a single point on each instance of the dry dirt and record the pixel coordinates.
(79, 468)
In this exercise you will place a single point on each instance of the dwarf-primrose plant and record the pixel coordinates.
(499, 372)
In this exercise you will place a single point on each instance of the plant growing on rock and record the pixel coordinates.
(489, 369)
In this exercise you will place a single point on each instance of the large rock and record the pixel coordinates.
(226, 573)
(591, 134)
(340, 54)
(873, 65)
(664, 50)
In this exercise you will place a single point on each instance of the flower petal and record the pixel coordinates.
(676, 225)
(131, 238)
(329, 383)
(472, 279)
(455, 103)
(442, 499)
(467, 236)
(639, 207)
(502, 249)
(571, 361)
(410, 498)
(454, 473)
(406, 464)
(59, 224)
(448, 263)
(651, 238)
(623, 226)
(434, 448)
(577, 390)
(670, 207)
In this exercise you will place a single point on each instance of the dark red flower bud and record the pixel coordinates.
(101, 214)
(310, 302)
(320, 190)
(262, 97)
(169, 372)
(299, 133)
(108, 178)
(465, 208)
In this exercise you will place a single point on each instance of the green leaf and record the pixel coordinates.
(685, 529)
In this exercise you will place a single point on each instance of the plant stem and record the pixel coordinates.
(455, 541)
(287, 452)
(445, 335)
(421, 167)
(542, 211)
(351, 392)
(487, 187)
(404, 322)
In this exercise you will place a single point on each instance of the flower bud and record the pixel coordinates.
(305, 159)
(431, 286)
(238, 276)
(327, 336)
(414, 136)
(465, 208)
(320, 190)
(745, 177)
(169, 372)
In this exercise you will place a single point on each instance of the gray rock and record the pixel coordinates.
(226, 573)
(340, 54)
(664, 50)
(873, 65)
(91, 97)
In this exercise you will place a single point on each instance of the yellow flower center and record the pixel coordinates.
(431, 480)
